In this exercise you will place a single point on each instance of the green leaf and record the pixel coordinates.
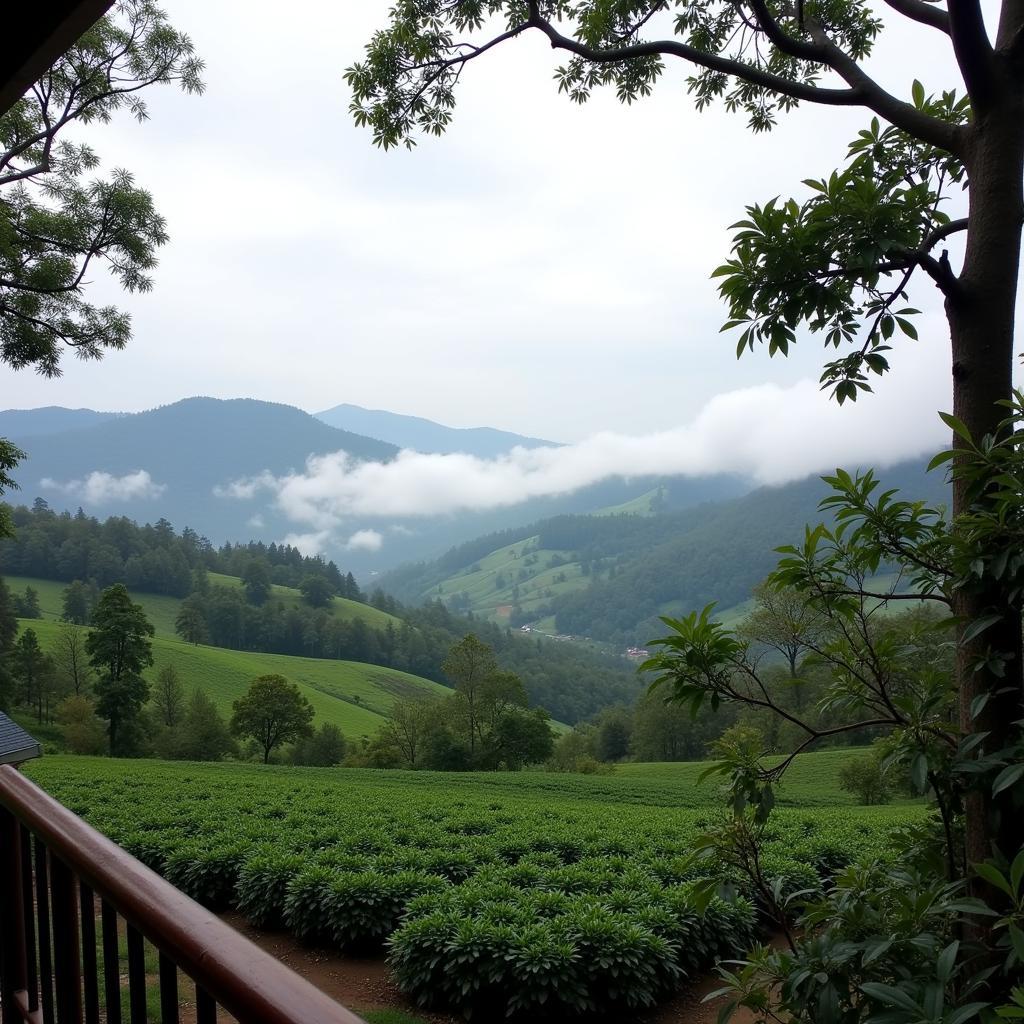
(917, 91)
(919, 772)
(1006, 778)
(1017, 872)
(890, 995)
(938, 460)
(991, 874)
(1017, 938)
(957, 426)
(947, 959)
(978, 626)
(967, 1012)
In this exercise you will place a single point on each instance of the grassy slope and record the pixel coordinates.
(480, 581)
(342, 606)
(352, 695)
(811, 783)
(162, 610)
(813, 778)
(540, 585)
(159, 609)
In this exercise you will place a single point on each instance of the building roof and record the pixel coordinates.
(16, 745)
(43, 31)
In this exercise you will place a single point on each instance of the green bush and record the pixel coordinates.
(262, 886)
(487, 949)
(208, 875)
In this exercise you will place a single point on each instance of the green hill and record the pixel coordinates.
(610, 576)
(354, 696)
(162, 610)
(341, 606)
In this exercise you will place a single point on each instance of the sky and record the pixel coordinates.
(543, 267)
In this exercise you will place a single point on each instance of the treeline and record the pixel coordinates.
(570, 682)
(152, 558)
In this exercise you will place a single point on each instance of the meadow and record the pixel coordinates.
(558, 896)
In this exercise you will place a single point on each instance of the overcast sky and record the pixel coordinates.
(542, 268)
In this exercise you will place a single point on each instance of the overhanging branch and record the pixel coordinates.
(925, 13)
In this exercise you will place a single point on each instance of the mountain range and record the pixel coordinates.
(176, 461)
(610, 577)
(425, 435)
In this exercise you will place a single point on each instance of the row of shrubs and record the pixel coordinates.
(544, 906)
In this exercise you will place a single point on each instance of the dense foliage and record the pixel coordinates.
(549, 894)
(152, 558)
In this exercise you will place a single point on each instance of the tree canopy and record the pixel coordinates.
(56, 222)
(119, 648)
(273, 711)
(839, 261)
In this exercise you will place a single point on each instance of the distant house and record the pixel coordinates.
(16, 745)
(637, 652)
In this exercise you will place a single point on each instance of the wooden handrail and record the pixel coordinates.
(249, 983)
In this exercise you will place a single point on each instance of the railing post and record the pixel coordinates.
(66, 969)
(13, 966)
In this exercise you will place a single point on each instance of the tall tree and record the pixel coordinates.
(316, 590)
(190, 622)
(76, 603)
(8, 633)
(840, 260)
(169, 696)
(256, 581)
(119, 648)
(273, 711)
(470, 665)
(71, 658)
(33, 670)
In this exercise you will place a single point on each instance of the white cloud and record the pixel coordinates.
(256, 521)
(309, 543)
(768, 433)
(365, 540)
(244, 490)
(100, 488)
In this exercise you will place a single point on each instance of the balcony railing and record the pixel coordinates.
(60, 960)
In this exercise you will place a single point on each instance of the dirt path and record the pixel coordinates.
(366, 983)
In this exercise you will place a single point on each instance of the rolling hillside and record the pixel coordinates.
(609, 577)
(354, 696)
(162, 610)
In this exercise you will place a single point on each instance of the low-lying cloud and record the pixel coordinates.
(365, 540)
(100, 488)
(767, 433)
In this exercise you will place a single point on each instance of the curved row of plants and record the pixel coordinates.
(539, 905)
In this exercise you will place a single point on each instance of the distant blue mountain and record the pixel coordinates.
(51, 419)
(425, 435)
(189, 449)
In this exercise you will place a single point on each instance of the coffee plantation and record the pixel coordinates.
(532, 895)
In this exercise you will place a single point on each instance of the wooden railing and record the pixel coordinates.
(60, 960)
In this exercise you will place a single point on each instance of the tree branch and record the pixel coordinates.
(932, 130)
(674, 48)
(925, 13)
(973, 51)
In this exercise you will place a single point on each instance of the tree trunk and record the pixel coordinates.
(981, 319)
